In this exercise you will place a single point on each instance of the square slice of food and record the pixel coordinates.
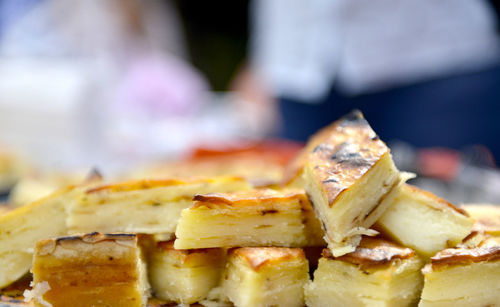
(21, 228)
(184, 276)
(142, 206)
(459, 277)
(422, 221)
(89, 270)
(266, 276)
(378, 273)
(347, 175)
(246, 218)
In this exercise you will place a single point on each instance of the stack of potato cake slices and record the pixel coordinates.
(341, 228)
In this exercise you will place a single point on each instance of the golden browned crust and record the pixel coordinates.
(47, 246)
(346, 154)
(373, 252)
(145, 184)
(250, 198)
(435, 198)
(258, 257)
(488, 250)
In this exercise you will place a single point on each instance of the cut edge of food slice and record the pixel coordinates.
(262, 217)
(463, 276)
(266, 276)
(423, 221)
(378, 273)
(184, 276)
(89, 269)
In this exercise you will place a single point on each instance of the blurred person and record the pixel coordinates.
(422, 71)
(133, 78)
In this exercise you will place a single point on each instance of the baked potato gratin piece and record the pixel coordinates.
(347, 175)
(343, 214)
(378, 273)
(463, 276)
(184, 276)
(422, 221)
(266, 276)
(89, 270)
(248, 218)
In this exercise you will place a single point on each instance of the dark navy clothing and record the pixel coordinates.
(451, 112)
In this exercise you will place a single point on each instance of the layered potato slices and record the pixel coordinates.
(142, 206)
(340, 212)
(89, 270)
(378, 273)
(266, 276)
(184, 276)
(463, 276)
(248, 218)
(422, 221)
(347, 175)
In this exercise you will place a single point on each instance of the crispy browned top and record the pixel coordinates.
(95, 237)
(47, 246)
(250, 198)
(257, 257)
(435, 198)
(349, 150)
(373, 252)
(488, 250)
(144, 184)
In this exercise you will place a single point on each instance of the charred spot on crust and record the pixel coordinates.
(130, 235)
(375, 138)
(330, 180)
(67, 238)
(355, 117)
(321, 147)
(95, 237)
(348, 155)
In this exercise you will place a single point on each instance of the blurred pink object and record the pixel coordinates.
(160, 86)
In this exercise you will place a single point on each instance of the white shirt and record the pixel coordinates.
(300, 48)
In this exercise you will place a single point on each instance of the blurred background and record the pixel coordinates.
(128, 86)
